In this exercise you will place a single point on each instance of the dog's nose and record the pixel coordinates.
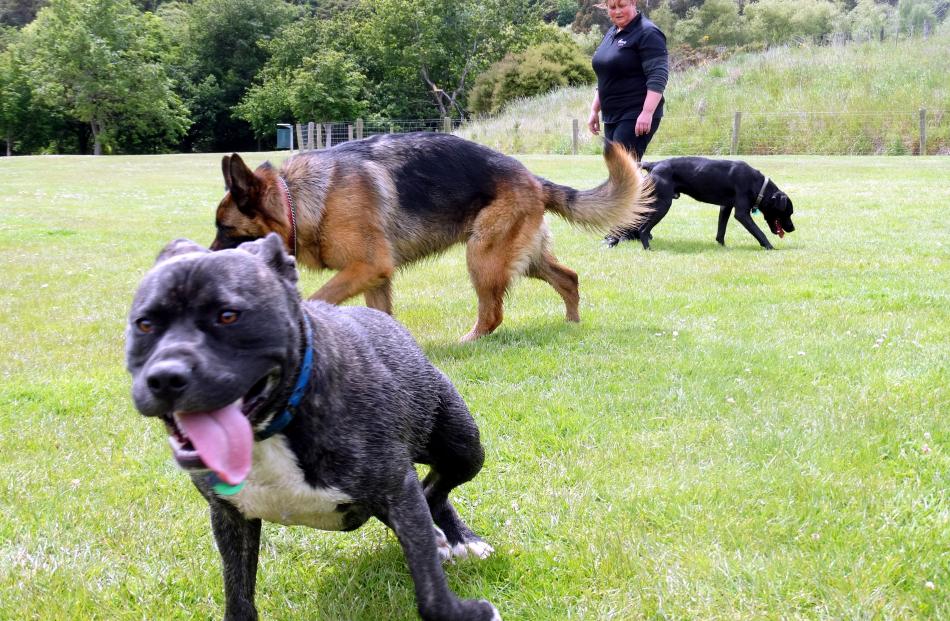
(168, 379)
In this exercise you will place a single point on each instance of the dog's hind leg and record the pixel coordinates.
(490, 287)
(455, 454)
(564, 280)
(724, 212)
(660, 209)
(503, 238)
(408, 516)
(380, 297)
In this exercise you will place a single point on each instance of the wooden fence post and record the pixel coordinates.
(300, 143)
(349, 133)
(310, 136)
(318, 128)
(359, 129)
(329, 127)
(923, 132)
(574, 136)
(447, 124)
(736, 121)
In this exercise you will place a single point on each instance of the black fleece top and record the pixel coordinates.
(628, 63)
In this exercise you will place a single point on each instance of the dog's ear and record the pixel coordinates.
(226, 171)
(177, 247)
(781, 201)
(242, 183)
(271, 250)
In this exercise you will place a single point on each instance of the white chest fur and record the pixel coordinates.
(276, 491)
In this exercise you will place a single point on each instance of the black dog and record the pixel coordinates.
(726, 183)
(301, 414)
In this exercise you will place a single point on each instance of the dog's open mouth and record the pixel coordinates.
(219, 440)
(778, 229)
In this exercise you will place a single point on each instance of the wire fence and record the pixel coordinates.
(320, 135)
(918, 132)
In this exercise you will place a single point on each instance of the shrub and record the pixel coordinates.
(715, 22)
(780, 21)
(537, 70)
(868, 18)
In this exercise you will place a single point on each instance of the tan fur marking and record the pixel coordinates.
(353, 242)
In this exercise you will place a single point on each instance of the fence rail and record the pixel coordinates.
(918, 132)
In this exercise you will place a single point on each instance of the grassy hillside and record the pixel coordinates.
(857, 99)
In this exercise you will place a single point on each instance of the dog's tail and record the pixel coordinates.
(623, 200)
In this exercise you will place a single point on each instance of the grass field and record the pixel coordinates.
(729, 433)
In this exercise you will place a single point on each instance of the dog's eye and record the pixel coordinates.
(145, 326)
(227, 317)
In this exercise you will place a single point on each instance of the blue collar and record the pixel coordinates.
(283, 419)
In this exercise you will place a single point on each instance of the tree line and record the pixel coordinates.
(146, 76)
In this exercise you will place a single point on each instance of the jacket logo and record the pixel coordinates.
(621, 42)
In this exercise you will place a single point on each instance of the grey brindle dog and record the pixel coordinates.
(301, 413)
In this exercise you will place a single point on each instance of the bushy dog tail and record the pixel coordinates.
(622, 201)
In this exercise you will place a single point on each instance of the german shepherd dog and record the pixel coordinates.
(301, 413)
(368, 207)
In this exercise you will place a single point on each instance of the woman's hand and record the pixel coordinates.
(644, 123)
(593, 123)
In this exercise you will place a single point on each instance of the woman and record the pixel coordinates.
(632, 67)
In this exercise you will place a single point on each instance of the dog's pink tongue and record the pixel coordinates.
(224, 440)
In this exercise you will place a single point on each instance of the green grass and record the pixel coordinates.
(827, 100)
(728, 434)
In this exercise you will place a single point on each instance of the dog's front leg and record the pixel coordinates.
(724, 212)
(238, 540)
(356, 278)
(745, 217)
(409, 517)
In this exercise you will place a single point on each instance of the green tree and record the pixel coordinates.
(715, 22)
(666, 20)
(15, 97)
(397, 59)
(19, 13)
(99, 61)
(428, 50)
(217, 57)
(325, 9)
(779, 21)
(326, 86)
(868, 18)
(590, 16)
(916, 15)
(538, 70)
(817, 18)
(566, 11)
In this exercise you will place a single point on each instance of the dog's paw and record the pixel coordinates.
(442, 544)
(611, 240)
(474, 549)
(497, 615)
(479, 610)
